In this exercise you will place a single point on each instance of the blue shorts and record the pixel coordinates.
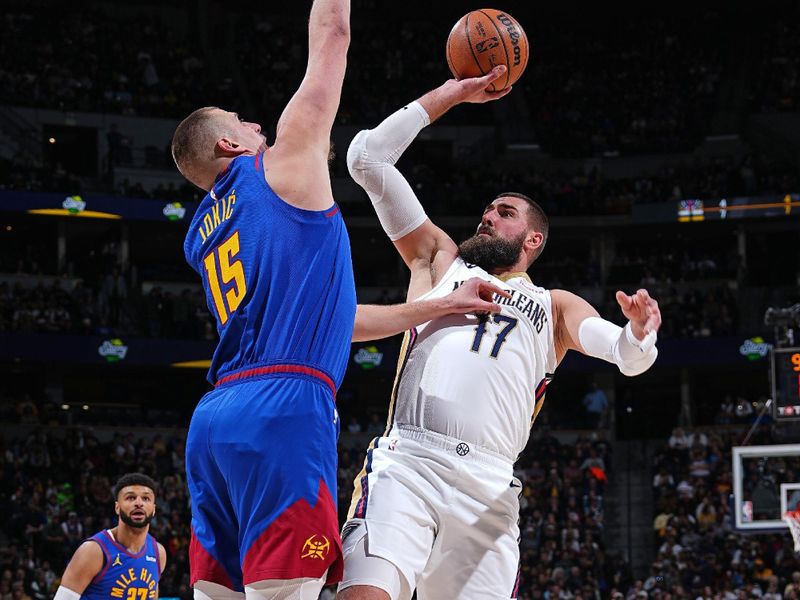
(261, 468)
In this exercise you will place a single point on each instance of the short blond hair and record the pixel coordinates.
(193, 143)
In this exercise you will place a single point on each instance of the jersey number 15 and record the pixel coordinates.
(230, 272)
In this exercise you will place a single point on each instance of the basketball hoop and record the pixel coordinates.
(792, 519)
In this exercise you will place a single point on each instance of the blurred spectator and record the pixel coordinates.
(596, 404)
(354, 426)
(376, 424)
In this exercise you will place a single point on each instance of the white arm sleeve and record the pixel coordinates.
(370, 160)
(602, 339)
(63, 593)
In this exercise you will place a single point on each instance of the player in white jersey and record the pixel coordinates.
(435, 509)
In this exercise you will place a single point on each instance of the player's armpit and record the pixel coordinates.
(427, 249)
(86, 563)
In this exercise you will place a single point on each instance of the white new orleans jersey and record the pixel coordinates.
(480, 381)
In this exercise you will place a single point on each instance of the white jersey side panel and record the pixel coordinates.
(476, 380)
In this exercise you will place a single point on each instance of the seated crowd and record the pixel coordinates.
(159, 313)
(55, 490)
(596, 83)
(698, 552)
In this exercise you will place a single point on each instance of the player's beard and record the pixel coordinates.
(126, 518)
(492, 252)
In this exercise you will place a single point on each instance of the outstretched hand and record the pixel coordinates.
(474, 89)
(642, 311)
(474, 296)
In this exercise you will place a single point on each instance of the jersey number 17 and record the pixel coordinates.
(480, 330)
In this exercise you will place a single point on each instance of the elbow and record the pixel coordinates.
(329, 34)
(340, 31)
(335, 30)
(357, 156)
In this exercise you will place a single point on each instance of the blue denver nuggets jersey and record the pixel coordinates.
(125, 576)
(277, 278)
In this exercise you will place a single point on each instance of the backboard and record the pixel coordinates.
(766, 480)
(790, 497)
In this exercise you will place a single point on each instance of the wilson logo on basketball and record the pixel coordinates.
(513, 34)
(317, 546)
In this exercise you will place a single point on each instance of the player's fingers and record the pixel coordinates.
(485, 306)
(625, 302)
(644, 301)
(491, 307)
(491, 290)
(480, 83)
(495, 73)
(498, 95)
(653, 320)
(653, 324)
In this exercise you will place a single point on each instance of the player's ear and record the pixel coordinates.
(116, 508)
(534, 240)
(226, 146)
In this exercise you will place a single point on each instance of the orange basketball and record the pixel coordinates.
(483, 39)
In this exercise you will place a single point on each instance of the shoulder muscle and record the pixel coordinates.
(86, 563)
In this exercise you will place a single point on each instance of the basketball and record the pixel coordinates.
(483, 39)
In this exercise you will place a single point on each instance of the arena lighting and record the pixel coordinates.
(52, 140)
(65, 407)
(85, 407)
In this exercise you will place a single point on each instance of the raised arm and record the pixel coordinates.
(374, 322)
(308, 117)
(578, 326)
(426, 249)
(298, 161)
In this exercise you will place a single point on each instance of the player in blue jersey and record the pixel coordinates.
(125, 562)
(273, 254)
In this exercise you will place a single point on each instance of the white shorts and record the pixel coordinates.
(443, 513)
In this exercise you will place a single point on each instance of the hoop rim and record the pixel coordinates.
(792, 520)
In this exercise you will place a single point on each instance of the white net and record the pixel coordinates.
(792, 519)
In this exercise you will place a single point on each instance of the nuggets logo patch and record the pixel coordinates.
(317, 546)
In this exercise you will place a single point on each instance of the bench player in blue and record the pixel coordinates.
(272, 250)
(125, 562)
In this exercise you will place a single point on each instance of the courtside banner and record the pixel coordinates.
(111, 350)
(366, 359)
(92, 206)
(672, 354)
